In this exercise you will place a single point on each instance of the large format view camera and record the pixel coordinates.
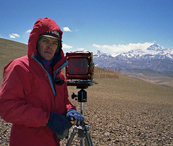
(79, 73)
(80, 69)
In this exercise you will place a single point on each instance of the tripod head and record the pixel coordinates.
(82, 95)
(81, 84)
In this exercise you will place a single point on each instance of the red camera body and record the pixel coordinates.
(80, 65)
(80, 68)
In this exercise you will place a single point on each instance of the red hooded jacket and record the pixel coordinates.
(28, 95)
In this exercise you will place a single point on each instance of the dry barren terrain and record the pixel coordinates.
(119, 111)
(127, 111)
(161, 80)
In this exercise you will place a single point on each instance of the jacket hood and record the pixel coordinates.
(41, 26)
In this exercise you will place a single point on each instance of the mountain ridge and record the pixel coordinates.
(154, 57)
(150, 52)
(153, 64)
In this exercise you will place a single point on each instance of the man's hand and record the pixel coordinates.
(75, 116)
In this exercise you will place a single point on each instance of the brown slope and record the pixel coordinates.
(159, 80)
(127, 111)
(10, 50)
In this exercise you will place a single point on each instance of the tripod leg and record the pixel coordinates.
(81, 142)
(88, 141)
(73, 133)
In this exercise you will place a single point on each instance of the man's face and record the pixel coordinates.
(47, 47)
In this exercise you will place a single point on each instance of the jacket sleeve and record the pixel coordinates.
(68, 104)
(66, 100)
(13, 105)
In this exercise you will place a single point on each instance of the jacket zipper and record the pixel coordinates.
(49, 77)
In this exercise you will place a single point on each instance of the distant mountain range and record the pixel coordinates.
(154, 58)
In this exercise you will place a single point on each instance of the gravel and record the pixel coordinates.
(120, 122)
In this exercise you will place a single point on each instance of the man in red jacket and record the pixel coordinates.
(33, 93)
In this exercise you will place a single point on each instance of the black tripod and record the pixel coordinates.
(83, 131)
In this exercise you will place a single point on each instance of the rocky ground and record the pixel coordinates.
(116, 122)
(4, 132)
(129, 123)
(133, 113)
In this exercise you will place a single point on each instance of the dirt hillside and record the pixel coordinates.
(10, 50)
(119, 110)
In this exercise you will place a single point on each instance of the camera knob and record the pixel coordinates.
(73, 95)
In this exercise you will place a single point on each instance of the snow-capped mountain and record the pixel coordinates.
(153, 52)
(154, 57)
